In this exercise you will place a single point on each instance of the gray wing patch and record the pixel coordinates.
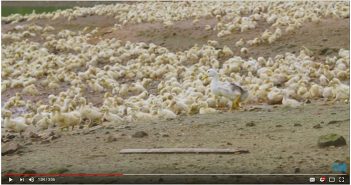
(244, 93)
(236, 87)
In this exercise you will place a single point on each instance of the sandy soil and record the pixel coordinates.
(282, 140)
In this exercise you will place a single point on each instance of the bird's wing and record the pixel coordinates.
(234, 87)
(227, 90)
(238, 90)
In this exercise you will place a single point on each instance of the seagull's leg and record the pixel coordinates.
(217, 101)
(238, 102)
(235, 103)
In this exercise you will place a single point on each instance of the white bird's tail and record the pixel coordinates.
(244, 94)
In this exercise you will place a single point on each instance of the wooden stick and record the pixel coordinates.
(182, 151)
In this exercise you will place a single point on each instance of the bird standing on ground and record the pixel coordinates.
(229, 90)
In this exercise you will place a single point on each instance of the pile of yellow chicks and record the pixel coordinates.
(112, 82)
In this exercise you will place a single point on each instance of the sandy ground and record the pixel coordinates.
(281, 140)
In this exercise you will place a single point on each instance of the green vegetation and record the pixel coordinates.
(6, 11)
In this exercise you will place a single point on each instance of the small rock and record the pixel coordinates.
(29, 172)
(51, 138)
(331, 140)
(45, 142)
(297, 170)
(324, 39)
(328, 51)
(317, 126)
(255, 109)
(50, 134)
(139, 134)
(250, 124)
(109, 127)
(10, 136)
(278, 126)
(33, 135)
(31, 132)
(111, 139)
(333, 113)
(9, 148)
(95, 127)
(165, 135)
(333, 122)
(228, 143)
(297, 125)
(308, 101)
(86, 132)
(75, 133)
(107, 132)
(58, 171)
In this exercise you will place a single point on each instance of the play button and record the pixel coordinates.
(10, 179)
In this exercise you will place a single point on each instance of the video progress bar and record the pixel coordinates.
(162, 174)
(65, 175)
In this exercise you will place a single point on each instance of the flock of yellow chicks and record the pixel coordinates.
(144, 81)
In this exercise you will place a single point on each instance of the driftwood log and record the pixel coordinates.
(182, 151)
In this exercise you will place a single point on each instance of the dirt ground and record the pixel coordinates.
(279, 140)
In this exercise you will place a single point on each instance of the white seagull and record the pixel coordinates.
(229, 90)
